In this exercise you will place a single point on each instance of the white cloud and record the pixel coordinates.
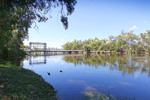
(124, 83)
(133, 28)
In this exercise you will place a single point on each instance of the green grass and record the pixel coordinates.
(17, 83)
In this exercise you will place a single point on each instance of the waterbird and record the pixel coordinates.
(48, 73)
(60, 70)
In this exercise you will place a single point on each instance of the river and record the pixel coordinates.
(80, 77)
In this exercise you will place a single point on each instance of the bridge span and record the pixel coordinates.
(38, 47)
(64, 51)
(55, 51)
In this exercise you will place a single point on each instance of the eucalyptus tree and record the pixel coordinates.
(112, 43)
(77, 45)
(120, 44)
(80, 45)
(145, 40)
(125, 42)
(95, 43)
(17, 16)
(87, 48)
(130, 41)
(103, 46)
(67, 46)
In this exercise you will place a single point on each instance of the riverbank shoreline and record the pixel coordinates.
(18, 83)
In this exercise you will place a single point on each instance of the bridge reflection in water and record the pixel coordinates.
(40, 60)
(34, 60)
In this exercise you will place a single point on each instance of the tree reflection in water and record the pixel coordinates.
(124, 63)
(90, 95)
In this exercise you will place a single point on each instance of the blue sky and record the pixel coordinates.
(94, 18)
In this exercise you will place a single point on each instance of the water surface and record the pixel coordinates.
(84, 77)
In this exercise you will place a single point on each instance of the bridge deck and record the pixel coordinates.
(55, 51)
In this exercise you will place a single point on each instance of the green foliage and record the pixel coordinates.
(17, 16)
(145, 40)
(87, 48)
(148, 49)
(127, 42)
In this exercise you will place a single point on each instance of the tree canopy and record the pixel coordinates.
(17, 16)
(124, 42)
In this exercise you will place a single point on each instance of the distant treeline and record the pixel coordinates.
(125, 42)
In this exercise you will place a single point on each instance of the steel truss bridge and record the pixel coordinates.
(42, 47)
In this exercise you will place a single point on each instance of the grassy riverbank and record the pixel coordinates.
(17, 83)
